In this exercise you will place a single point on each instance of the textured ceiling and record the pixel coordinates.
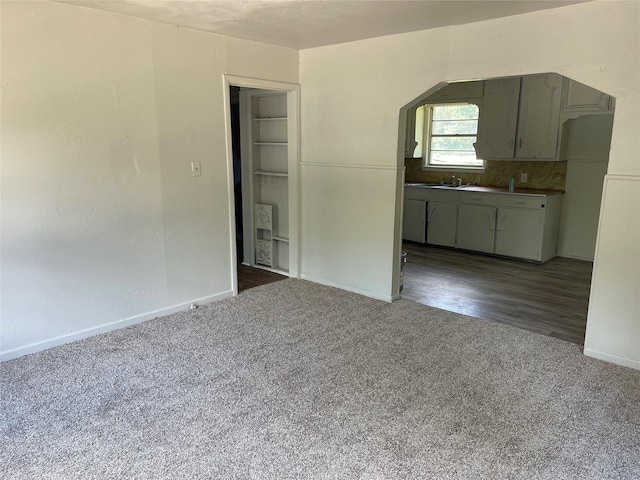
(303, 24)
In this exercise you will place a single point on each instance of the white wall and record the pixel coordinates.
(351, 98)
(102, 223)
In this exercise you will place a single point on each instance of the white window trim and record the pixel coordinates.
(426, 135)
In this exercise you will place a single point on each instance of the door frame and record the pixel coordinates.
(293, 124)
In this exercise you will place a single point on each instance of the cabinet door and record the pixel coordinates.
(414, 221)
(581, 97)
(441, 223)
(539, 116)
(498, 117)
(476, 228)
(519, 233)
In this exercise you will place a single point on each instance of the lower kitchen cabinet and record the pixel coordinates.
(476, 228)
(512, 225)
(414, 221)
(527, 227)
(441, 223)
(519, 232)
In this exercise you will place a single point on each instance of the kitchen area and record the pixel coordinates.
(508, 235)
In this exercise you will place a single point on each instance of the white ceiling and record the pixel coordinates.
(303, 24)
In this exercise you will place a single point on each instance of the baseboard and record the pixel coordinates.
(625, 362)
(348, 288)
(108, 327)
(575, 257)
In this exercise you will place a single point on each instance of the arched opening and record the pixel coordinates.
(510, 235)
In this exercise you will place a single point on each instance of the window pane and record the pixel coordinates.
(455, 158)
(455, 126)
(455, 112)
(453, 143)
(452, 133)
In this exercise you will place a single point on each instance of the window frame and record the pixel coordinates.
(427, 113)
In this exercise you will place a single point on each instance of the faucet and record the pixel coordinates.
(454, 182)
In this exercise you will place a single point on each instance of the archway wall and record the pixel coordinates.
(352, 170)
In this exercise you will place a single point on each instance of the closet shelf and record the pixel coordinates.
(265, 135)
(271, 174)
(268, 119)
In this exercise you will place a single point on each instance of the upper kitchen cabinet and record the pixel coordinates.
(519, 118)
(579, 97)
(498, 118)
(539, 117)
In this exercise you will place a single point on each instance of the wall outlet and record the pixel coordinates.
(195, 169)
(523, 178)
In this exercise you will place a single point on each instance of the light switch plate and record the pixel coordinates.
(523, 178)
(195, 169)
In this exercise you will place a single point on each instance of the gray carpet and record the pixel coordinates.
(294, 380)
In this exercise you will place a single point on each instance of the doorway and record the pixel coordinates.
(491, 287)
(247, 276)
(262, 154)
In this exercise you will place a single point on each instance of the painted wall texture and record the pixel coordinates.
(102, 115)
(351, 98)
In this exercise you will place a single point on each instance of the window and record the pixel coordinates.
(450, 130)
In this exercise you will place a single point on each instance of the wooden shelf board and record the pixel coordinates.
(271, 144)
(272, 174)
(268, 119)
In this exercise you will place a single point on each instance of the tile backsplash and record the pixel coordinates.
(548, 175)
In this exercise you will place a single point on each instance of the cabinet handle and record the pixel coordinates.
(430, 210)
(492, 221)
(520, 143)
(500, 221)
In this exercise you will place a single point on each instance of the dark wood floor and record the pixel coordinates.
(249, 277)
(550, 298)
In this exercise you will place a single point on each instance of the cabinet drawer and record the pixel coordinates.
(478, 198)
(443, 196)
(520, 201)
(427, 194)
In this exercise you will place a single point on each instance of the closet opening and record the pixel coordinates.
(263, 153)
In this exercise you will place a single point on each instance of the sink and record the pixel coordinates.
(439, 185)
(453, 187)
(424, 185)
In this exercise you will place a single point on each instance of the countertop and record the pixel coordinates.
(488, 189)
